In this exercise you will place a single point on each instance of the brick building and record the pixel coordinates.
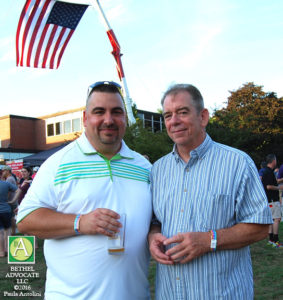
(22, 136)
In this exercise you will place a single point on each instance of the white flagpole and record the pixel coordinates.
(117, 56)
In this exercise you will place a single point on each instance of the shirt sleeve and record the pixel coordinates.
(12, 187)
(251, 203)
(24, 187)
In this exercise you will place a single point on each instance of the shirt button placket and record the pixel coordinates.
(179, 295)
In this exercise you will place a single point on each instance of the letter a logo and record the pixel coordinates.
(20, 246)
(21, 250)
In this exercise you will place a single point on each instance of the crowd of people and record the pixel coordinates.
(195, 211)
(12, 192)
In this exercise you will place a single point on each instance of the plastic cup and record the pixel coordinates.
(115, 244)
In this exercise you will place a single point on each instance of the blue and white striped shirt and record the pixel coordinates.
(218, 188)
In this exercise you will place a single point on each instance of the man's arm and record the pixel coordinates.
(194, 244)
(275, 187)
(46, 223)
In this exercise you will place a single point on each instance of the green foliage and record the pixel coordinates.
(144, 141)
(252, 122)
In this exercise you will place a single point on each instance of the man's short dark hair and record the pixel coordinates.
(270, 158)
(192, 90)
(104, 88)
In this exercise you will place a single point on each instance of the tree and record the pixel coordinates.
(252, 122)
(144, 141)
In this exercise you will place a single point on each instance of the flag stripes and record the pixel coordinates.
(44, 30)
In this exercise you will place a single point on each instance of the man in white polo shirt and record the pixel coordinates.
(75, 201)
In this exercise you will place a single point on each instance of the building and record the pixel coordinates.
(22, 136)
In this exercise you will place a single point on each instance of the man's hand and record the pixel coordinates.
(190, 245)
(100, 221)
(156, 248)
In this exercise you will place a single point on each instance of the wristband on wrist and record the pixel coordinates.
(77, 224)
(213, 242)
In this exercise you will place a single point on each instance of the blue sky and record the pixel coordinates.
(217, 45)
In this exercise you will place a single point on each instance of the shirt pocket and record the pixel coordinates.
(219, 212)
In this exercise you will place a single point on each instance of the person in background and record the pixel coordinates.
(34, 170)
(280, 175)
(276, 170)
(272, 192)
(7, 175)
(5, 214)
(24, 185)
(280, 182)
(75, 202)
(262, 167)
(209, 205)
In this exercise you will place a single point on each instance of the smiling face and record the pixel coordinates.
(105, 122)
(185, 126)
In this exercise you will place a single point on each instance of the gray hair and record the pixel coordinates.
(192, 90)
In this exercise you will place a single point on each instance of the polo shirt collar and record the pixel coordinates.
(199, 152)
(87, 149)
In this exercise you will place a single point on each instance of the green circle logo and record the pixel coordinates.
(21, 249)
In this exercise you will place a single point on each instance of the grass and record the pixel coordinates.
(267, 267)
(268, 270)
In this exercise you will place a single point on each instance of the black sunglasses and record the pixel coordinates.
(103, 83)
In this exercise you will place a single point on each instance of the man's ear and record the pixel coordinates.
(84, 118)
(204, 117)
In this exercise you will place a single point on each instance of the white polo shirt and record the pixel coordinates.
(78, 180)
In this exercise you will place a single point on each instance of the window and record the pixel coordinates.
(76, 124)
(60, 125)
(59, 129)
(50, 129)
(67, 126)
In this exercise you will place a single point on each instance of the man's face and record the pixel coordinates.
(185, 126)
(105, 121)
(274, 163)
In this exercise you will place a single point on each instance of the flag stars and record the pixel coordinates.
(66, 14)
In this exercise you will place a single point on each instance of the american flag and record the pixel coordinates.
(44, 30)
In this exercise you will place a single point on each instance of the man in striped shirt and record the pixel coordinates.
(209, 205)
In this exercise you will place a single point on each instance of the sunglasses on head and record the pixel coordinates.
(105, 83)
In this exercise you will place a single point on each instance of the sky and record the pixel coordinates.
(216, 45)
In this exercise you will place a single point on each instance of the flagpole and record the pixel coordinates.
(117, 56)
